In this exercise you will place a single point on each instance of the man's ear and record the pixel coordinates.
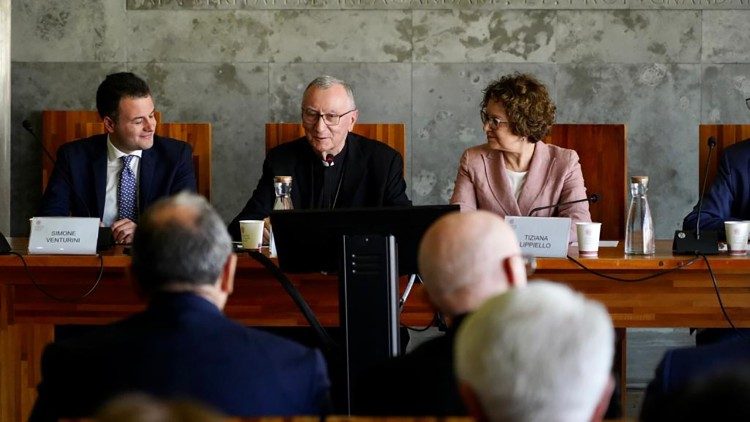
(514, 270)
(109, 124)
(226, 278)
(355, 115)
(471, 401)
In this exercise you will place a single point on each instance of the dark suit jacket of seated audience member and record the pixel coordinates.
(182, 346)
(679, 367)
(370, 175)
(728, 198)
(419, 383)
(165, 169)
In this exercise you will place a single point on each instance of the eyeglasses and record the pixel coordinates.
(311, 117)
(493, 122)
(747, 102)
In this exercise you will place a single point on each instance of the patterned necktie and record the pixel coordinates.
(126, 193)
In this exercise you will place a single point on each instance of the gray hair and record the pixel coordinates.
(326, 81)
(538, 353)
(180, 239)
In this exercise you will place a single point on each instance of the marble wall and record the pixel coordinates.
(660, 71)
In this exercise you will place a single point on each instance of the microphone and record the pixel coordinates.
(105, 239)
(328, 161)
(689, 242)
(593, 198)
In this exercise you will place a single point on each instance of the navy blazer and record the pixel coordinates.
(182, 346)
(681, 366)
(165, 169)
(729, 196)
(373, 177)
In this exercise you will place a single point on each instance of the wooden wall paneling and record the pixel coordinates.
(603, 153)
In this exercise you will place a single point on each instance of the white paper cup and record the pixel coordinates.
(588, 239)
(252, 234)
(737, 233)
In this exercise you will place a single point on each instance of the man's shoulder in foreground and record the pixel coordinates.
(679, 367)
(183, 348)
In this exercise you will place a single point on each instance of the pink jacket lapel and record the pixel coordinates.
(540, 170)
(494, 168)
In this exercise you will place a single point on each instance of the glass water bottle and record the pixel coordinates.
(639, 231)
(282, 185)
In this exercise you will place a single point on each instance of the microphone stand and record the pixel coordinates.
(695, 242)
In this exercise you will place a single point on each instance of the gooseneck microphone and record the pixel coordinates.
(691, 242)
(593, 198)
(711, 146)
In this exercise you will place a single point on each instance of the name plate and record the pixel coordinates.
(63, 235)
(541, 236)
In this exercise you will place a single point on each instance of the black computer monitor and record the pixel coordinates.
(311, 240)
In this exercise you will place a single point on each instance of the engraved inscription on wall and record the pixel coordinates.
(437, 4)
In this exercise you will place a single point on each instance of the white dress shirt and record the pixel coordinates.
(114, 167)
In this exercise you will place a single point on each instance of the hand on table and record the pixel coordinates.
(123, 230)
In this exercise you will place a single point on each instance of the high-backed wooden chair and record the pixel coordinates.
(726, 135)
(391, 134)
(603, 153)
(61, 126)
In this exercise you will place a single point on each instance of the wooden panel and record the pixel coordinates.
(198, 135)
(726, 135)
(603, 152)
(21, 347)
(391, 134)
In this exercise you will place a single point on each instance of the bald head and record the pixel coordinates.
(465, 258)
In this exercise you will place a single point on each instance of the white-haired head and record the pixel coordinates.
(542, 353)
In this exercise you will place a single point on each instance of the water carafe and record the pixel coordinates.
(639, 231)
(282, 185)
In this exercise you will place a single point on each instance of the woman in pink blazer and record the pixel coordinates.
(515, 172)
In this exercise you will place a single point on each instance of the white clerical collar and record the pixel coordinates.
(114, 154)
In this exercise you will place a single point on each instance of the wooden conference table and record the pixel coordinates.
(681, 298)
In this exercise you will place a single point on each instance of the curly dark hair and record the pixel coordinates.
(530, 110)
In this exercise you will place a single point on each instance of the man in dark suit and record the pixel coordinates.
(91, 177)
(330, 166)
(182, 346)
(728, 198)
(680, 367)
(464, 258)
